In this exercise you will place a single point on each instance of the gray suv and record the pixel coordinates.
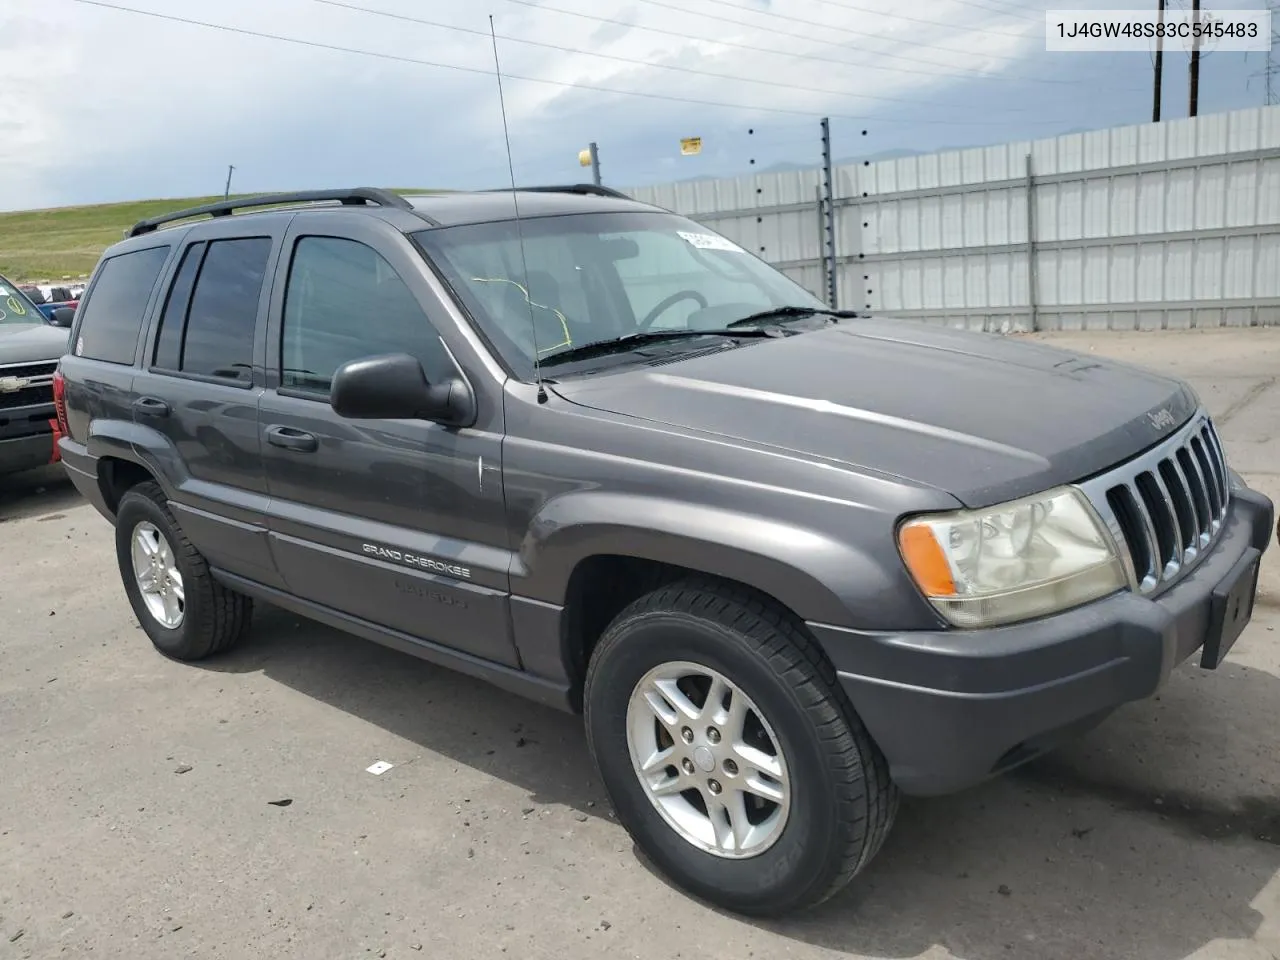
(787, 561)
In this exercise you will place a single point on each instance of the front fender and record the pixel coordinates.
(818, 576)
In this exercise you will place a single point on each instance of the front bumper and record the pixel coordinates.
(26, 452)
(951, 708)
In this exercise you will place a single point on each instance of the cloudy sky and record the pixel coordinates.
(100, 104)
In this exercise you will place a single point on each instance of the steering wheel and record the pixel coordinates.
(667, 303)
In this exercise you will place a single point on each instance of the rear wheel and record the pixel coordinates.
(186, 613)
(729, 753)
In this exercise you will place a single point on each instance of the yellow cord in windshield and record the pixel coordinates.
(564, 321)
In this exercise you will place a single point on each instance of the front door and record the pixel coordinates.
(399, 523)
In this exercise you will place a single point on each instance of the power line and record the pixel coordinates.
(720, 18)
(243, 31)
(1012, 7)
(444, 66)
(635, 61)
(1006, 78)
(861, 33)
(1010, 11)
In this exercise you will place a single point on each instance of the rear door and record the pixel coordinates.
(399, 523)
(204, 361)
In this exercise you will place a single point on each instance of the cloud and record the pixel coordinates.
(99, 104)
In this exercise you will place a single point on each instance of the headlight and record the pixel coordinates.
(1014, 561)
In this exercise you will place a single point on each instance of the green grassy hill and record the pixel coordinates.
(67, 241)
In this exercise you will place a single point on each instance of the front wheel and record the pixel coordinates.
(729, 753)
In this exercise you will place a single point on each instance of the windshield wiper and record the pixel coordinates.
(786, 313)
(601, 348)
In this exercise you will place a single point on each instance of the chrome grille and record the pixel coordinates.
(1166, 506)
(26, 384)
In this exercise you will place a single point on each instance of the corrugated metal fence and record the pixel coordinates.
(1154, 226)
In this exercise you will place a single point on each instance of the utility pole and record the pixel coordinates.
(1271, 68)
(595, 163)
(828, 189)
(226, 193)
(1270, 71)
(1195, 59)
(1155, 108)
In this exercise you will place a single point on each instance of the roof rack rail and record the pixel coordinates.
(355, 196)
(590, 189)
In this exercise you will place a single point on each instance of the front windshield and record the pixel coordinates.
(15, 307)
(600, 276)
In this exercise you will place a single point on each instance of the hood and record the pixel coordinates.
(29, 342)
(982, 417)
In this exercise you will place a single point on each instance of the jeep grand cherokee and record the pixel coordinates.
(787, 561)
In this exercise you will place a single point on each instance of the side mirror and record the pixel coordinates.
(63, 317)
(392, 386)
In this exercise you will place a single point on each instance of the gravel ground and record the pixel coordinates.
(154, 810)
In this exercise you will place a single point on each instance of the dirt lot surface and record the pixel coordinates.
(143, 803)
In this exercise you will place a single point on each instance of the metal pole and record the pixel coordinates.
(226, 194)
(1195, 60)
(1033, 308)
(822, 238)
(828, 186)
(1155, 108)
(595, 163)
(1270, 70)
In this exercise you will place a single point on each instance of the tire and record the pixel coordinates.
(839, 800)
(212, 618)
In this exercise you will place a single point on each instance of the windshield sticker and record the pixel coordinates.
(15, 306)
(709, 241)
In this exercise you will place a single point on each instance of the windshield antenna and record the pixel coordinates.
(515, 200)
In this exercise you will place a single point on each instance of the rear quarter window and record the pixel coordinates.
(111, 318)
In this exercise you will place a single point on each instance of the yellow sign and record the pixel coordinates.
(584, 158)
(690, 146)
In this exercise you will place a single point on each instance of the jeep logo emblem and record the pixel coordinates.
(1161, 419)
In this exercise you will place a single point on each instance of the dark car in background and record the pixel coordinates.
(59, 298)
(30, 347)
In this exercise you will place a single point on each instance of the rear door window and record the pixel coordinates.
(209, 320)
(111, 318)
(173, 321)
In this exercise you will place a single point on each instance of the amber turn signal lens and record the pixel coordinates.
(926, 561)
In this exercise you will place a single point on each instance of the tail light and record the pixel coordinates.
(60, 401)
